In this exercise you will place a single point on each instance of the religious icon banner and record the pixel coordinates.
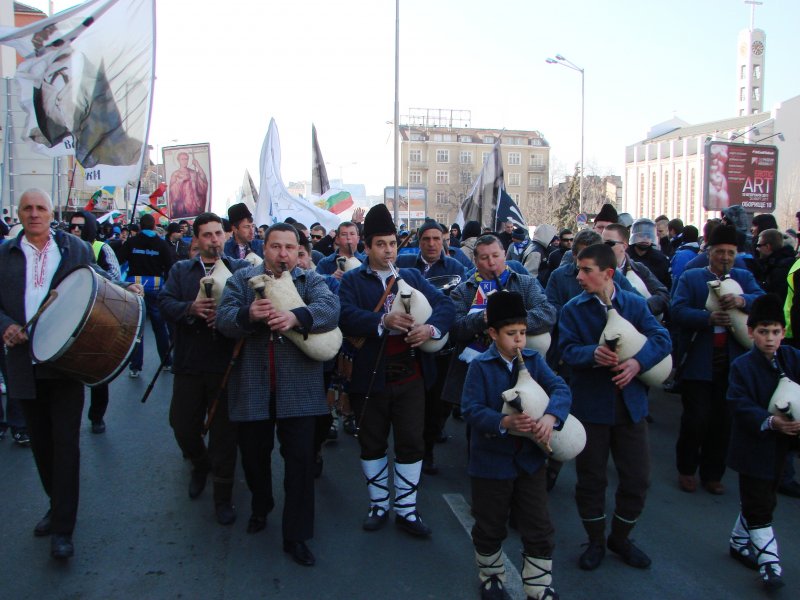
(188, 175)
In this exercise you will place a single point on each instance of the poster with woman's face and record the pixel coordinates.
(188, 173)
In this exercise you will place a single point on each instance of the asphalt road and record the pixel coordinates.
(139, 536)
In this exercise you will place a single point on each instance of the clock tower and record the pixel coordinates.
(750, 67)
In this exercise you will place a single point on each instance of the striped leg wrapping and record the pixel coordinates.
(766, 548)
(537, 577)
(406, 482)
(740, 536)
(376, 472)
(490, 565)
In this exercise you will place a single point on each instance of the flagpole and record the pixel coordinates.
(396, 109)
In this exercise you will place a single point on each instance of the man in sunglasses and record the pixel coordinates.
(565, 239)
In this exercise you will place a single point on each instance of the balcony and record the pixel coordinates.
(418, 164)
(536, 168)
(536, 188)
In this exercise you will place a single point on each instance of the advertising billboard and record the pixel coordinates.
(419, 201)
(743, 174)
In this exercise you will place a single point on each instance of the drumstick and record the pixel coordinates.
(53, 295)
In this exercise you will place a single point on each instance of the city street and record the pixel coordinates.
(139, 536)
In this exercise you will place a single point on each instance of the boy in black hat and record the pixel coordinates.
(759, 439)
(507, 471)
(242, 242)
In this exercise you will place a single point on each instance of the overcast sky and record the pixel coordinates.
(224, 68)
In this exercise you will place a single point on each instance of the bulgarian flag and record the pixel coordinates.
(336, 201)
(114, 216)
(93, 201)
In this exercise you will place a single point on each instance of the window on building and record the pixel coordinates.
(465, 157)
(531, 197)
(741, 112)
(465, 177)
(756, 94)
(742, 71)
(514, 158)
(441, 217)
(515, 198)
(416, 137)
(441, 197)
(442, 176)
(415, 155)
(488, 139)
(665, 203)
(642, 195)
(536, 160)
(756, 72)
(514, 179)
(692, 197)
(534, 180)
(536, 142)
(679, 195)
(465, 139)
(448, 137)
(653, 212)
(443, 156)
(484, 155)
(743, 94)
(415, 176)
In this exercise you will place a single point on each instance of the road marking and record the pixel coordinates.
(461, 510)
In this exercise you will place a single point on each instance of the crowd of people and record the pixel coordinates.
(435, 323)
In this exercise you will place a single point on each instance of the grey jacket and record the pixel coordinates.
(22, 374)
(299, 387)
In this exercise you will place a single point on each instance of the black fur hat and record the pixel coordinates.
(505, 306)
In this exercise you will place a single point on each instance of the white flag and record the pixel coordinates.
(86, 85)
(275, 203)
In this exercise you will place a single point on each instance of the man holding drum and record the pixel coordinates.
(32, 265)
(201, 357)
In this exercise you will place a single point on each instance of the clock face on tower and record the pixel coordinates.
(758, 48)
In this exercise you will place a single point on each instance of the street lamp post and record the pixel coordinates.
(560, 60)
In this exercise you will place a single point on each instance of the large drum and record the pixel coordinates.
(89, 331)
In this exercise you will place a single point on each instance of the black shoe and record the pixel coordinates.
(256, 523)
(492, 589)
(61, 546)
(416, 527)
(429, 466)
(318, 464)
(99, 426)
(300, 553)
(376, 518)
(771, 579)
(632, 555)
(592, 556)
(44, 526)
(748, 560)
(350, 425)
(21, 438)
(197, 483)
(226, 513)
(791, 489)
(333, 432)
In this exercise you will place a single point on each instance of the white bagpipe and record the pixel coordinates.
(213, 284)
(623, 338)
(345, 264)
(411, 301)
(636, 282)
(253, 258)
(720, 287)
(281, 291)
(785, 400)
(528, 397)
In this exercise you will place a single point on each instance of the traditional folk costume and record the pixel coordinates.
(757, 452)
(508, 471)
(274, 385)
(614, 420)
(201, 357)
(705, 424)
(435, 413)
(389, 381)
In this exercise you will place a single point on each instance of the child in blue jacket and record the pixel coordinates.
(507, 471)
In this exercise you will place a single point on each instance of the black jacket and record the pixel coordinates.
(655, 261)
(773, 271)
(146, 255)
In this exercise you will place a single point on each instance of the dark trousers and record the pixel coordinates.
(99, 402)
(759, 496)
(159, 330)
(526, 496)
(296, 437)
(54, 422)
(400, 408)
(629, 445)
(436, 411)
(705, 429)
(192, 395)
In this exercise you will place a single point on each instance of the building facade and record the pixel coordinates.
(444, 154)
